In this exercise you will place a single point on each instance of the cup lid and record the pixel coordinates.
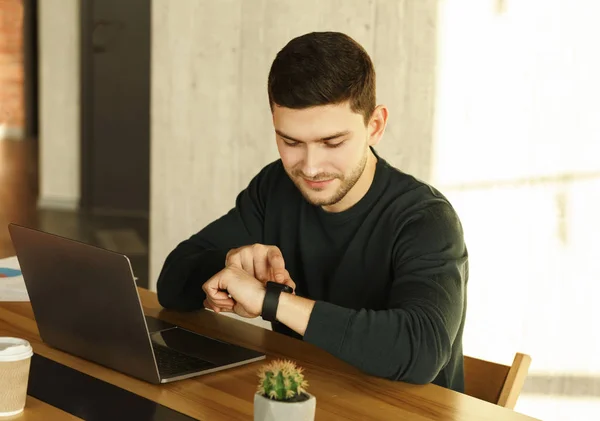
(14, 349)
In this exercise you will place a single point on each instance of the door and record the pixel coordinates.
(116, 106)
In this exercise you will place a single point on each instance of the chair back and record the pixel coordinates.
(496, 383)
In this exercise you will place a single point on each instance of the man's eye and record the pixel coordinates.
(335, 145)
(291, 143)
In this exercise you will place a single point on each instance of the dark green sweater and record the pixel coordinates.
(388, 275)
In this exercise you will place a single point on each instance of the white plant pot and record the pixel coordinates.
(270, 410)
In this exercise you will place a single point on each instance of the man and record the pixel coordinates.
(376, 258)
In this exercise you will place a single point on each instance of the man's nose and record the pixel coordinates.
(312, 161)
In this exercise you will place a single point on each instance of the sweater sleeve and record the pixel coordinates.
(198, 258)
(411, 340)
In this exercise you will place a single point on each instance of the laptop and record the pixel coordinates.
(86, 303)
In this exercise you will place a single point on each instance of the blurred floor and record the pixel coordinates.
(18, 199)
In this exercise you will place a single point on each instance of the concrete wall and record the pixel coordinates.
(59, 103)
(211, 124)
(210, 117)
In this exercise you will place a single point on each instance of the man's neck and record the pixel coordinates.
(359, 190)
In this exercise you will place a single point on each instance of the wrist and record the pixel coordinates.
(294, 312)
(261, 298)
(284, 301)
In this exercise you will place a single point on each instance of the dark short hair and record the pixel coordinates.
(323, 68)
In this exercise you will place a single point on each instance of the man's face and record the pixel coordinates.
(323, 149)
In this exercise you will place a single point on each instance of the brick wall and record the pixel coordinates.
(11, 68)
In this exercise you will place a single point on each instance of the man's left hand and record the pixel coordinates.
(247, 293)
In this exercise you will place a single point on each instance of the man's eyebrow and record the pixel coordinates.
(323, 139)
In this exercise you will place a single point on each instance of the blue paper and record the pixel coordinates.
(9, 273)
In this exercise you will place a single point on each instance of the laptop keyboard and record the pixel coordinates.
(172, 363)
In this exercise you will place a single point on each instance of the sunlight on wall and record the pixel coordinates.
(517, 151)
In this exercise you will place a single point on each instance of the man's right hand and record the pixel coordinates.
(263, 262)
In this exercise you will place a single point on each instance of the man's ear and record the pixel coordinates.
(377, 124)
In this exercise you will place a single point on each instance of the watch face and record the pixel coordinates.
(281, 287)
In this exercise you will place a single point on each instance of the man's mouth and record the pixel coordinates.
(316, 184)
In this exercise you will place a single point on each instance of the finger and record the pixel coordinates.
(248, 261)
(217, 308)
(215, 294)
(209, 306)
(288, 281)
(276, 263)
(234, 259)
(228, 256)
(216, 287)
(261, 263)
(228, 303)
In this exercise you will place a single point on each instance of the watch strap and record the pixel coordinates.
(271, 301)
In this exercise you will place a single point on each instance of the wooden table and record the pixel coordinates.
(342, 391)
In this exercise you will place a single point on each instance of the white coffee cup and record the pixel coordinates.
(15, 360)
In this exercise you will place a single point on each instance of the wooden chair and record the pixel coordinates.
(496, 383)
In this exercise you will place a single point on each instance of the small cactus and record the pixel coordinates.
(282, 381)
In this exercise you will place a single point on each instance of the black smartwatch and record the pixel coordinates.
(271, 302)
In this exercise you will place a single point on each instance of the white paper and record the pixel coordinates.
(12, 288)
